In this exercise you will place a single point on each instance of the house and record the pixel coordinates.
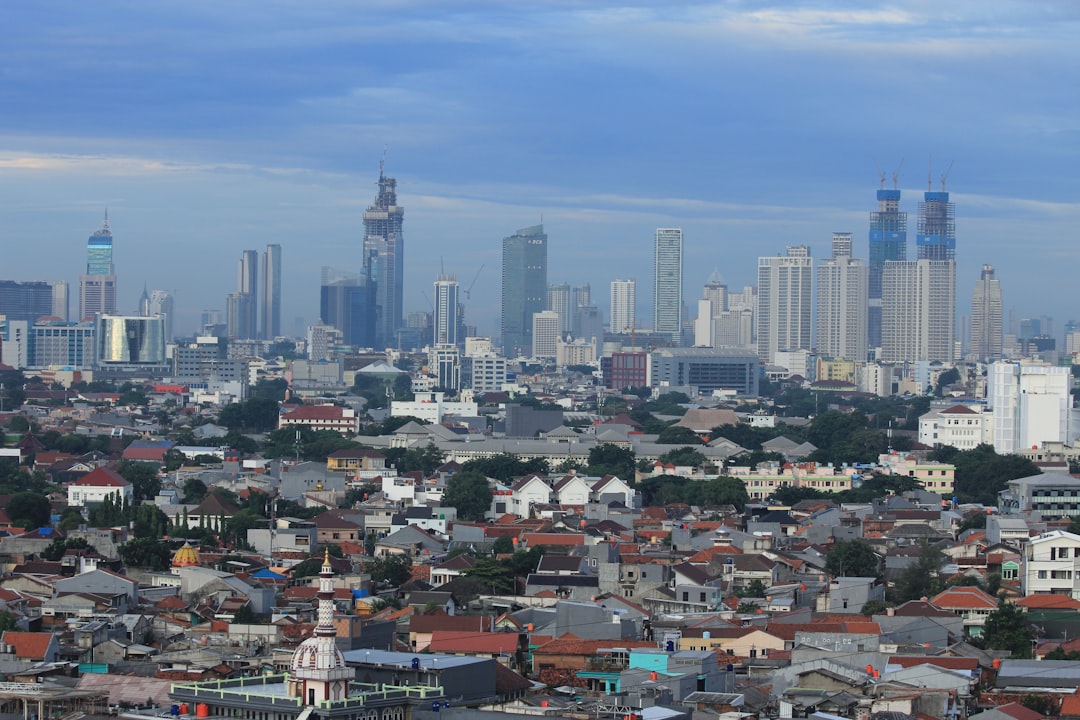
(94, 487)
(421, 627)
(571, 490)
(527, 492)
(322, 417)
(453, 568)
(970, 603)
(33, 647)
(100, 582)
(334, 526)
(610, 488)
(411, 541)
(358, 462)
(1048, 564)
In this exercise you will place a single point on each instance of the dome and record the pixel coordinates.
(316, 653)
(186, 556)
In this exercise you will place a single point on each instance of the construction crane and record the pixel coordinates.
(896, 175)
(945, 175)
(468, 292)
(881, 174)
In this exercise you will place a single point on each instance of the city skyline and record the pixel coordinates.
(211, 163)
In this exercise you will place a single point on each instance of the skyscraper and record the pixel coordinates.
(97, 288)
(667, 283)
(242, 305)
(888, 241)
(937, 227)
(841, 303)
(347, 302)
(524, 287)
(986, 316)
(161, 303)
(26, 300)
(558, 300)
(918, 314)
(271, 293)
(447, 315)
(623, 306)
(545, 334)
(384, 259)
(784, 302)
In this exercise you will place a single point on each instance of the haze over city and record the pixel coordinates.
(207, 129)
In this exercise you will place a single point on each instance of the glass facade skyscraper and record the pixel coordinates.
(667, 284)
(384, 259)
(888, 241)
(97, 287)
(524, 287)
(270, 319)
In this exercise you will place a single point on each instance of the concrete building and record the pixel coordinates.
(558, 301)
(1051, 565)
(432, 408)
(960, 426)
(623, 306)
(447, 316)
(545, 334)
(130, 342)
(97, 287)
(483, 373)
(784, 302)
(1031, 405)
(842, 303)
(707, 369)
(270, 300)
(918, 314)
(93, 488)
(444, 362)
(524, 287)
(384, 261)
(667, 283)
(986, 316)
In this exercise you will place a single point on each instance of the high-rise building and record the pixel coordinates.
(124, 341)
(347, 302)
(161, 303)
(247, 283)
(97, 287)
(937, 227)
(524, 287)
(1031, 405)
(558, 301)
(26, 300)
(237, 315)
(888, 241)
(545, 334)
(623, 306)
(384, 259)
(447, 315)
(667, 283)
(60, 301)
(918, 314)
(986, 316)
(785, 302)
(271, 293)
(841, 303)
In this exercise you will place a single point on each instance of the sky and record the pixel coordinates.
(207, 128)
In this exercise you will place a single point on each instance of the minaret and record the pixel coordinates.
(318, 672)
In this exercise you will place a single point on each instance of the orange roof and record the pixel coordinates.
(1071, 704)
(964, 598)
(28, 645)
(101, 477)
(948, 663)
(570, 644)
(704, 556)
(534, 539)
(451, 641)
(1049, 602)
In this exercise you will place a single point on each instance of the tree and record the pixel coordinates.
(611, 459)
(244, 616)
(874, 607)
(503, 545)
(684, 456)
(29, 510)
(756, 588)
(505, 466)
(58, 547)
(725, 491)
(921, 578)
(945, 379)
(392, 570)
(1006, 629)
(145, 483)
(470, 493)
(146, 552)
(852, 558)
(678, 435)
(981, 473)
(194, 490)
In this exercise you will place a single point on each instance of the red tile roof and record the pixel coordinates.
(964, 598)
(452, 641)
(1049, 602)
(28, 645)
(102, 477)
(948, 663)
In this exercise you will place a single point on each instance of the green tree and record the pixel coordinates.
(1006, 629)
(725, 491)
(678, 435)
(505, 466)
(852, 558)
(922, 577)
(29, 510)
(70, 520)
(683, 457)
(58, 547)
(146, 552)
(194, 490)
(981, 473)
(874, 607)
(470, 493)
(8, 621)
(145, 483)
(392, 570)
(491, 573)
(756, 588)
(503, 545)
(244, 616)
(19, 424)
(611, 459)
(945, 379)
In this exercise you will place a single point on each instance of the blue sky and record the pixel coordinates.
(211, 127)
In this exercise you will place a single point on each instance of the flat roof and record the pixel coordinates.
(428, 661)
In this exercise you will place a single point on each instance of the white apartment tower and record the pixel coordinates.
(784, 302)
(1031, 404)
(667, 283)
(546, 334)
(623, 305)
(918, 310)
(842, 286)
(447, 318)
(986, 316)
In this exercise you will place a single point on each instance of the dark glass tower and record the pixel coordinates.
(524, 286)
(888, 241)
(384, 259)
(347, 302)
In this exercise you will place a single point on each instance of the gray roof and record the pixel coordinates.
(1039, 673)
(405, 659)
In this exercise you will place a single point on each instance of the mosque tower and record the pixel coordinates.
(318, 672)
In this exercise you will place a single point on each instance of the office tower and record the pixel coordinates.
(784, 302)
(60, 301)
(420, 323)
(524, 287)
(237, 315)
(558, 300)
(1030, 403)
(842, 283)
(588, 323)
(667, 284)
(210, 322)
(545, 334)
(161, 303)
(444, 361)
(986, 316)
(247, 283)
(937, 227)
(97, 288)
(918, 310)
(888, 241)
(447, 315)
(384, 259)
(26, 300)
(144, 302)
(125, 341)
(347, 302)
(623, 306)
(271, 293)
(716, 293)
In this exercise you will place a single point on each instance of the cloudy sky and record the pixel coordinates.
(211, 127)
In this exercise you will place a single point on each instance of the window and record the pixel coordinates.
(1042, 574)
(686, 597)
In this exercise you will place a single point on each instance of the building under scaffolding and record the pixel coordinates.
(48, 700)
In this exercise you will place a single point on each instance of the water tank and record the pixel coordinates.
(202, 710)
(184, 709)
